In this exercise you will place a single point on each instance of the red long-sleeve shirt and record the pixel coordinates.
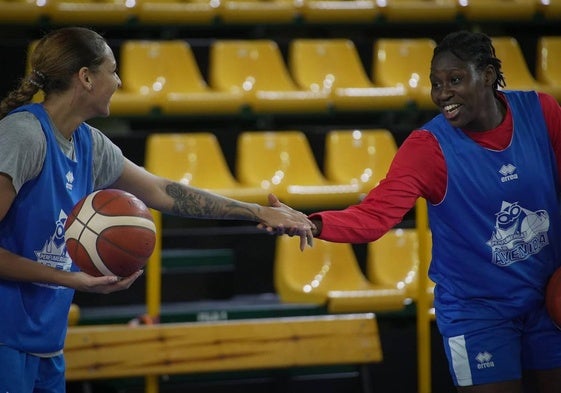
(419, 170)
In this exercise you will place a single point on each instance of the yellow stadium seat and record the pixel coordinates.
(418, 10)
(257, 69)
(328, 274)
(22, 11)
(196, 159)
(140, 93)
(166, 74)
(334, 66)
(393, 260)
(498, 10)
(176, 11)
(257, 11)
(99, 12)
(282, 162)
(548, 71)
(515, 69)
(336, 11)
(360, 157)
(550, 9)
(402, 62)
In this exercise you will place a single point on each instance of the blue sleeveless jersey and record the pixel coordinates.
(497, 233)
(34, 315)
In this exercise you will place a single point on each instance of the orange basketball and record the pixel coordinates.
(553, 297)
(110, 232)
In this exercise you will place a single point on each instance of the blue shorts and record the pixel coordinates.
(502, 350)
(22, 372)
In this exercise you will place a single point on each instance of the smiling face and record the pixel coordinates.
(464, 94)
(104, 81)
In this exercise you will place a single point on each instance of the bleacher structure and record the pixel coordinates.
(308, 99)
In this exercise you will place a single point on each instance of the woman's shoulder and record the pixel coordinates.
(22, 127)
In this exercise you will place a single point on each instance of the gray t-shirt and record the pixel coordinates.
(23, 147)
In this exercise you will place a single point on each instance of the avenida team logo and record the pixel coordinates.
(518, 233)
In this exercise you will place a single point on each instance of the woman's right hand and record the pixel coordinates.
(104, 284)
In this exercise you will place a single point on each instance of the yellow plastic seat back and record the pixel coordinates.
(160, 66)
(405, 63)
(513, 64)
(416, 10)
(276, 159)
(336, 11)
(22, 11)
(98, 12)
(361, 157)
(548, 70)
(283, 162)
(309, 276)
(550, 9)
(176, 11)
(257, 11)
(516, 71)
(326, 64)
(257, 69)
(334, 66)
(394, 260)
(248, 65)
(189, 158)
(499, 10)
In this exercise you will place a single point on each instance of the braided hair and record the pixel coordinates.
(475, 48)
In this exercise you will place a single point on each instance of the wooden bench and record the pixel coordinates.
(115, 351)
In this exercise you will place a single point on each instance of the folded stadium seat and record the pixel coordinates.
(257, 69)
(328, 274)
(499, 10)
(418, 10)
(515, 69)
(257, 11)
(393, 260)
(334, 66)
(360, 157)
(550, 9)
(404, 62)
(162, 12)
(196, 159)
(548, 56)
(282, 162)
(167, 74)
(23, 11)
(97, 12)
(339, 11)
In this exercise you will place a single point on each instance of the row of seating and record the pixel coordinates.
(116, 12)
(319, 76)
(281, 162)
(329, 274)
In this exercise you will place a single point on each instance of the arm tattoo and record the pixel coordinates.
(201, 204)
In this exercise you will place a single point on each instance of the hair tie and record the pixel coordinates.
(37, 78)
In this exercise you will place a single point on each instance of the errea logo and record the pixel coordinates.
(507, 172)
(484, 360)
(69, 180)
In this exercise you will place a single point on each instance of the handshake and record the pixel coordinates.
(280, 219)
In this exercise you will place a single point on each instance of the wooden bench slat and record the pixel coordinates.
(114, 351)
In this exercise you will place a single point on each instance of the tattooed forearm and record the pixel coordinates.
(200, 204)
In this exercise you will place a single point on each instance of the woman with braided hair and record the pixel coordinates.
(51, 159)
(488, 166)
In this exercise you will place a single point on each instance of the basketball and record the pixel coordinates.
(110, 232)
(553, 297)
